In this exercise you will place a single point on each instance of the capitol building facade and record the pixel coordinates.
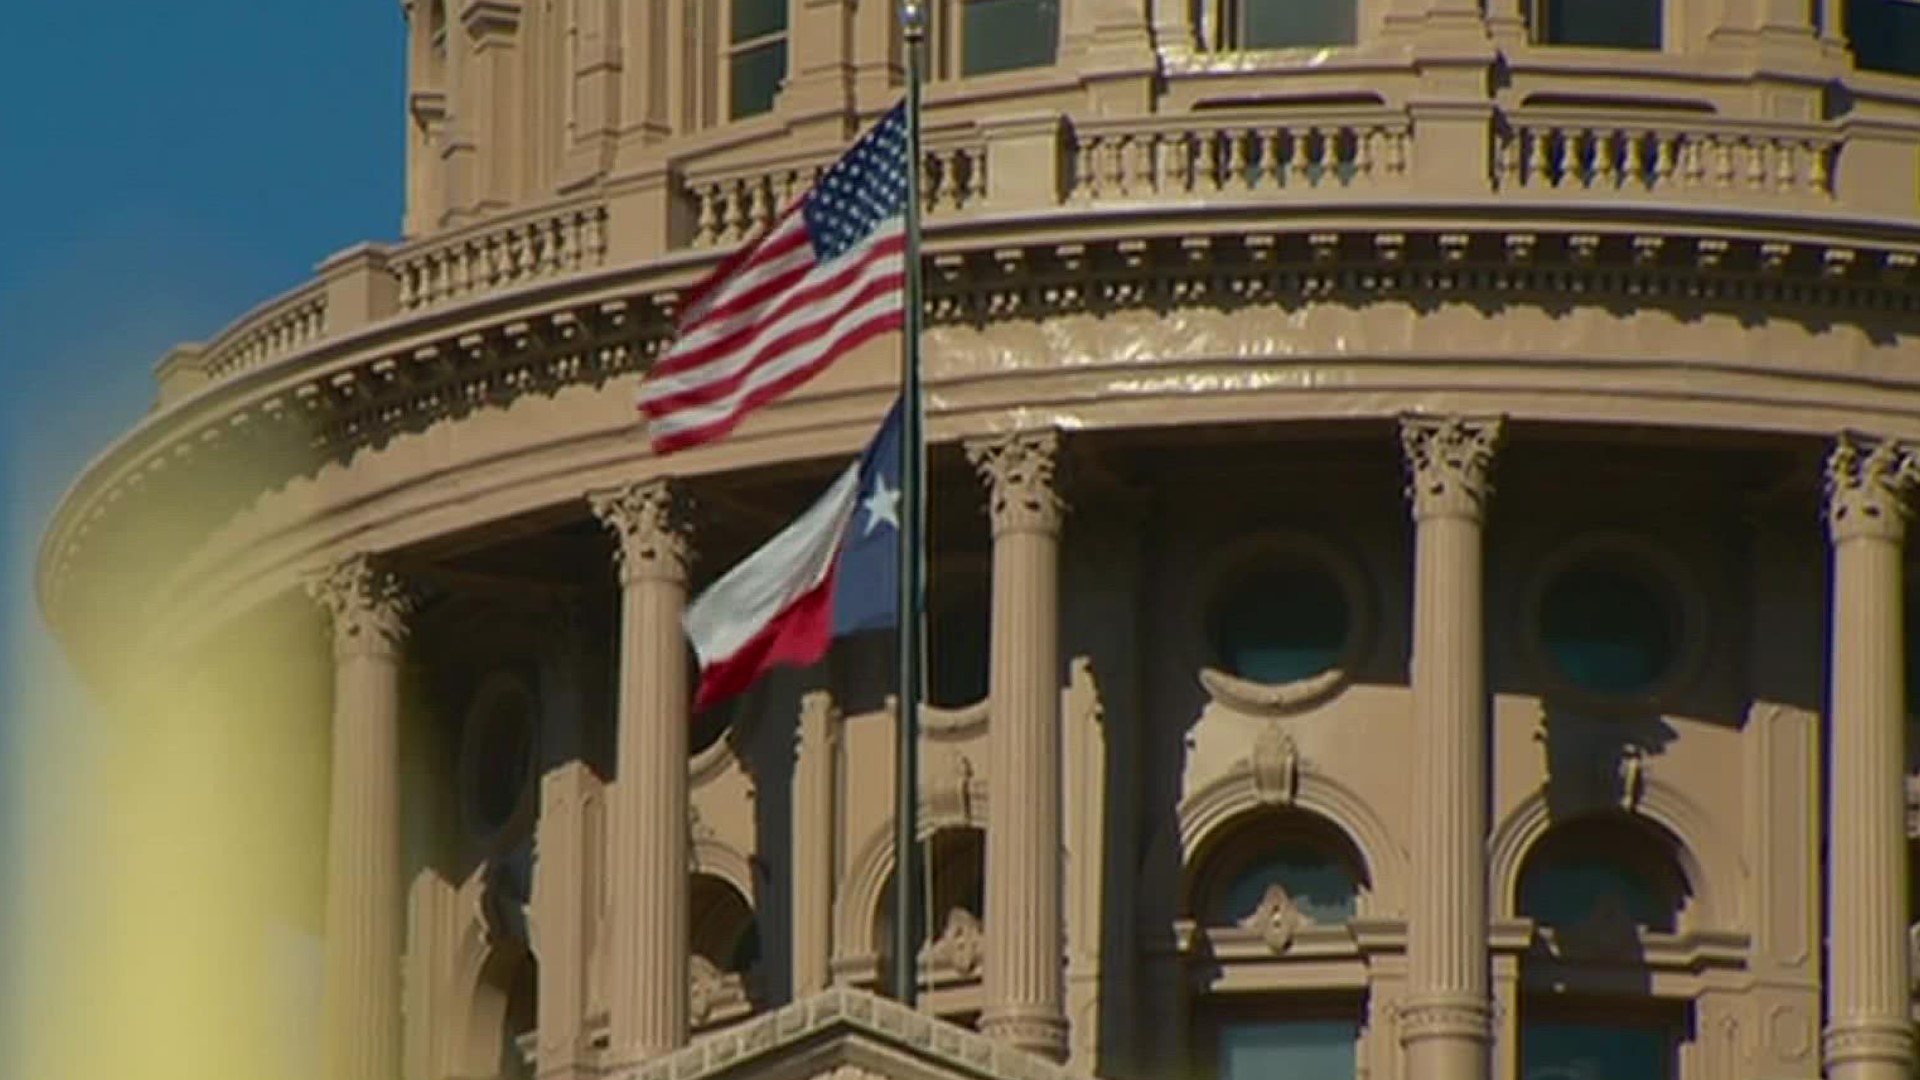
(1418, 580)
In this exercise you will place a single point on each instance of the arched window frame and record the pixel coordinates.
(723, 933)
(1278, 966)
(953, 857)
(1600, 975)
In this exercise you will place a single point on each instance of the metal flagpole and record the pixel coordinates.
(906, 846)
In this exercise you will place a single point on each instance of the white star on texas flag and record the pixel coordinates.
(881, 504)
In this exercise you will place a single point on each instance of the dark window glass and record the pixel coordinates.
(1281, 624)
(1595, 1051)
(1002, 35)
(1279, 24)
(961, 633)
(1885, 35)
(757, 18)
(1319, 884)
(1607, 629)
(1588, 864)
(753, 78)
(1601, 24)
(1293, 1049)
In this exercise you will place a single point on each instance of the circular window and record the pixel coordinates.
(1609, 628)
(1281, 624)
(497, 759)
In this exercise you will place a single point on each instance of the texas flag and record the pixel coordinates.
(834, 571)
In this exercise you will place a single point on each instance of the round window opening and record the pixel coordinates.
(1281, 624)
(1609, 629)
(501, 759)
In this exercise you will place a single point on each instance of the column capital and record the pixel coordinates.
(1449, 459)
(367, 602)
(1018, 469)
(653, 524)
(1867, 483)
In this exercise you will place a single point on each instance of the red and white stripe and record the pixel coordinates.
(767, 319)
(775, 608)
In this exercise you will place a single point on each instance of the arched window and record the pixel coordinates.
(953, 892)
(1591, 867)
(1597, 885)
(1600, 24)
(1273, 878)
(722, 926)
(1279, 24)
(1885, 35)
(724, 940)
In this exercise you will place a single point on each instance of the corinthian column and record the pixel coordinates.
(647, 811)
(1444, 1025)
(368, 607)
(1869, 1034)
(1024, 1003)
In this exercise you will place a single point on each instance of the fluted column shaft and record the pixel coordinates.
(1445, 1024)
(1869, 1035)
(1024, 993)
(813, 843)
(647, 810)
(361, 1003)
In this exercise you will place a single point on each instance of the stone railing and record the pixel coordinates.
(1003, 168)
(548, 241)
(273, 329)
(1664, 158)
(1199, 155)
(731, 204)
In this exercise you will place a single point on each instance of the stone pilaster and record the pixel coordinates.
(1869, 1034)
(1024, 1002)
(814, 828)
(647, 810)
(1444, 1024)
(368, 606)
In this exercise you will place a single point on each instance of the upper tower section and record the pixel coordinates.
(512, 102)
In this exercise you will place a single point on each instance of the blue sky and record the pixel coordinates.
(164, 167)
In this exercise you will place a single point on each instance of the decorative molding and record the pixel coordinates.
(1276, 919)
(961, 945)
(651, 521)
(368, 605)
(1274, 763)
(1449, 459)
(1018, 470)
(1868, 483)
(327, 399)
(847, 1014)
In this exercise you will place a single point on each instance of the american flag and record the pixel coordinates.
(829, 274)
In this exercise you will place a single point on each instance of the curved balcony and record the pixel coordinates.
(1635, 178)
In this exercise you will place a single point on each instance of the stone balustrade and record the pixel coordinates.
(542, 242)
(1665, 159)
(1032, 163)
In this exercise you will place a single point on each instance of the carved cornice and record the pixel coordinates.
(1867, 488)
(1449, 460)
(325, 401)
(1018, 470)
(652, 523)
(367, 603)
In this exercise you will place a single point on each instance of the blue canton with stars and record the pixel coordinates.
(866, 187)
